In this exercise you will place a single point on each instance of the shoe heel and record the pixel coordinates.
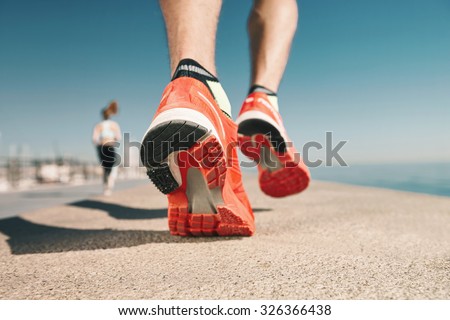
(163, 140)
(162, 178)
(277, 177)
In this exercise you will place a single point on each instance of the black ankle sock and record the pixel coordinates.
(193, 69)
(258, 88)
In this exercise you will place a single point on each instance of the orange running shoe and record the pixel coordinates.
(262, 137)
(190, 154)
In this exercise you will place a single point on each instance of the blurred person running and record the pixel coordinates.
(105, 136)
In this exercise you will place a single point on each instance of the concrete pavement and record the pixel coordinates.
(14, 203)
(331, 242)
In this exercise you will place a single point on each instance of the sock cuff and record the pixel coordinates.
(193, 69)
(259, 88)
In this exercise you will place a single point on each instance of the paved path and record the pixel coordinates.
(14, 203)
(332, 242)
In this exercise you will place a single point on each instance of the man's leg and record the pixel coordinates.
(189, 148)
(262, 137)
(271, 27)
(191, 30)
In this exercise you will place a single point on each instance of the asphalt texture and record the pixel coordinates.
(331, 242)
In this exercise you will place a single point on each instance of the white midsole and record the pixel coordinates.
(184, 114)
(261, 116)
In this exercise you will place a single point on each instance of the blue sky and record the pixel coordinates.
(376, 73)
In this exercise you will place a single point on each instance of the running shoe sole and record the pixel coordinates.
(280, 175)
(185, 160)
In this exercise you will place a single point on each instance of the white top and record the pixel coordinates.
(106, 131)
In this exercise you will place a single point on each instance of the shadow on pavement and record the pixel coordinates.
(121, 212)
(26, 237)
(127, 213)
